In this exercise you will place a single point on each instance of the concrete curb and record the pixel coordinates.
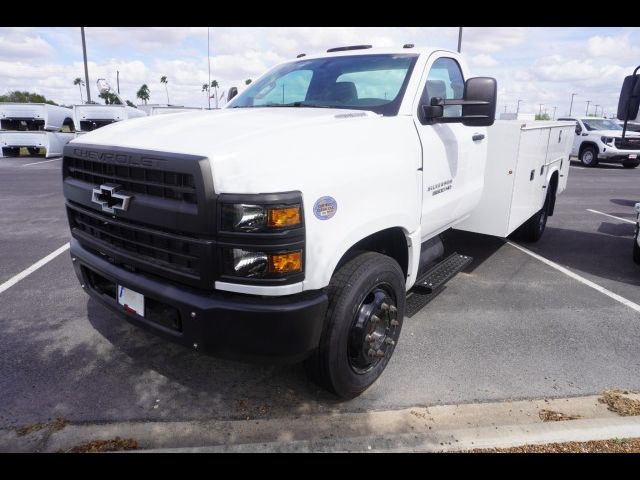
(425, 429)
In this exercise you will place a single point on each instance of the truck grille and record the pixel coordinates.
(138, 247)
(158, 183)
(627, 144)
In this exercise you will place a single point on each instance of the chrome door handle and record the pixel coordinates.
(477, 137)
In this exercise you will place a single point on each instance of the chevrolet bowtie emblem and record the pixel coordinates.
(107, 197)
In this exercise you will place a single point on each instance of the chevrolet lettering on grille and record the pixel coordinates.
(107, 197)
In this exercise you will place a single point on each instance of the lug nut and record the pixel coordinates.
(393, 309)
(380, 353)
(395, 323)
(384, 307)
(389, 341)
(195, 345)
(375, 319)
(369, 338)
(193, 315)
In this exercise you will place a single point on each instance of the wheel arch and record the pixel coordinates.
(552, 186)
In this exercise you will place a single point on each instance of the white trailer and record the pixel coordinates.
(52, 142)
(34, 116)
(520, 157)
(90, 117)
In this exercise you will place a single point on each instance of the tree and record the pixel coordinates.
(144, 93)
(163, 79)
(215, 86)
(25, 97)
(109, 98)
(247, 81)
(130, 104)
(78, 81)
(544, 116)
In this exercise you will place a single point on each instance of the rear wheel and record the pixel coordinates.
(589, 156)
(362, 325)
(535, 226)
(636, 248)
(630, 163)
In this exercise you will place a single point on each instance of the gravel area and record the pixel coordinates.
(616, 445)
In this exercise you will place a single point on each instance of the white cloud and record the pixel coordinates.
(20, 46)
(482, 60)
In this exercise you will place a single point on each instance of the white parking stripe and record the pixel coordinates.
(13, 280)
(612, 216)
(44, 161)
(577, 277)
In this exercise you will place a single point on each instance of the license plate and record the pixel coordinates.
(131, 301)
(633, 157)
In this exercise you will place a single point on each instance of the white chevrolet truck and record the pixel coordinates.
(290, 225)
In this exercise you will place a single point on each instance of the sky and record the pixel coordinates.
(539, 65)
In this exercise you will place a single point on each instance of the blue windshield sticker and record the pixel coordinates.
(325, 208)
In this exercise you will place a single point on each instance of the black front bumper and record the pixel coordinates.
(282, 329)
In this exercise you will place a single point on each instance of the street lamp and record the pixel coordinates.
(587, 112)
(86, 69)
(518, 108)
(571, 106)
(597, 110)
(540, 111)
(554, 113)
(459, 39)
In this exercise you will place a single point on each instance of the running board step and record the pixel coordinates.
(432, 282)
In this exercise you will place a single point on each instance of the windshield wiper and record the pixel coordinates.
(301, 104)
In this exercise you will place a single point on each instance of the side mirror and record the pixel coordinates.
(578, 130)
(233, 91)
(478, 104)
(629, 98)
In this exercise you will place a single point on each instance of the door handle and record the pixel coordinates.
(477, 137)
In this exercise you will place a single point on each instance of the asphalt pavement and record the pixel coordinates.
(510, 327)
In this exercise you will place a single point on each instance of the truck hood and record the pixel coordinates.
(209, 133)
(614, 133)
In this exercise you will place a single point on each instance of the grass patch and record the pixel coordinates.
(114, 445)
(552, 416)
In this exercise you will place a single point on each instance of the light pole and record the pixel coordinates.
(554, 113)
(571, 106)
(518, 108)
(209, 63)
(540, 111)
(587, 112)
(86, 69)
(597, 110)
(459, 39)
(118, 80)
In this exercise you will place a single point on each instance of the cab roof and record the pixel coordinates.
(354, 50)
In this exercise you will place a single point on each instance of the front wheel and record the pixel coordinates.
(589, 157)
(362, 325)
(630, 163)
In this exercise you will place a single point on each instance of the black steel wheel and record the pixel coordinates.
(362, 324)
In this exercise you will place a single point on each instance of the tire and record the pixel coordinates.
(33, 151)
(354, 347)
(535, 226)
(589, 156)
(630, 163)
(636, 248)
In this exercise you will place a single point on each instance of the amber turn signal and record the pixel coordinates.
(285, 262)
(284, 217)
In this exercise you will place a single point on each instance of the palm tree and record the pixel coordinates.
(247, 81)
(215, 86)
(78, 81)
(163, 79)
(143, 93)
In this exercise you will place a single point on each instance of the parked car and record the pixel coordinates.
(600, 139)
(289, 225)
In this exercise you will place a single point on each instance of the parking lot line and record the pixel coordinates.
(577, 277)
(612, 216)
(44, 161)
(15, 279)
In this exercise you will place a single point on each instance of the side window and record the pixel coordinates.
(289, 88)
(445, 80)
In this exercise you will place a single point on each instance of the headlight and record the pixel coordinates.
(255, 218)
(252, 264)
(607, 140)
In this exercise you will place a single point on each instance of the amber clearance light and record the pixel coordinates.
(285, 262)
(284, 217)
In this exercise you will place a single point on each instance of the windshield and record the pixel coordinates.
(361, 82)
(601, 124)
